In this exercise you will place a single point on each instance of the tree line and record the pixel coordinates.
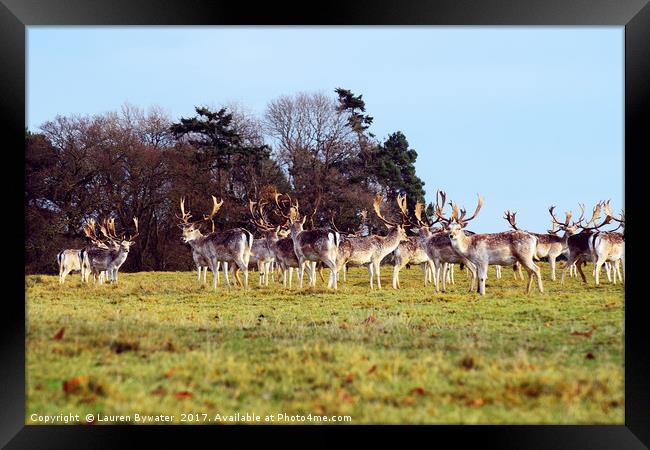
(137, 163)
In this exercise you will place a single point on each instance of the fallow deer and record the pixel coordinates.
(608, 246)
(441, 253)
(97, 260)
(217, 247)
(371, 250)
(311, 245)
(549, 245)
(68, 260)
(578, 243)
(492, 248)
(414, 251)
(262, 252)
(95, 243)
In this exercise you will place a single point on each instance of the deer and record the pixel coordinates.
(491, 248)
(371, 250)
(233, 245)
(357, 233)
(608, 247)
(311, 245)
(68, 260)
(262, 252)
(95, 243)
(414, 251)
(549, 245)
(286, 259)
(97, 260)
(578, 243)
(440, 252)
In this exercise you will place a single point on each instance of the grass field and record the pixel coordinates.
(161, 344)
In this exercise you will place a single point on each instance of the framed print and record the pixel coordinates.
(375, 214)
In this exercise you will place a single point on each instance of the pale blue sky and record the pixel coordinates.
(528, 116)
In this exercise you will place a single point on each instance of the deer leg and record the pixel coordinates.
(582, 274)
(395, 276)
(551, 259)
(474, 275)
(451, 274)
(198, 271)
(598, 264)
(370, 274)
(377, 273)
(497, 270)
(482, 275)
(443, 275)
(224, 265)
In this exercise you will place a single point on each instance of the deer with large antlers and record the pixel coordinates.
(95, 242)
(549, 245)
(492, 248)
(371, 250)
(441, 253)
(96, 260)
(413, 250)
(608, 246)
(310, 245)
(578, 243)
(231, 246)
(263, 251)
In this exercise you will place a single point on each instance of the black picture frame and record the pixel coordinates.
(634, 15)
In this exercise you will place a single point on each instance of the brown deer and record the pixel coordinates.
(442, 255)
(549, 245)
(97, 260)
(371, 250)
(578, 243)
(95, 243)
(217, 247)
(609, 246)
(263, 253)
(492, 248)
(414, 250)
(311, 245)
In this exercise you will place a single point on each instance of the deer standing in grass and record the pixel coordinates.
(608, 247)
(217, 247)
(95, 243)
(578, 243)
(548, 245)
(440, 251)
(68, 260)
(263, 253)
(371, 250)
(413, 250)
(311, 245)
(96, 260)
(492, 248)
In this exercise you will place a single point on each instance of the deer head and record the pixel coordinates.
(456, 222)
(191, 229)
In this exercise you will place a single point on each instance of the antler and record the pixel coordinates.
(462, 221)
(376, 206)
(557, 222)
(609, 213)
(137, 232)
(594, 217)
(216, 206)
(510, 217)
(260, 222)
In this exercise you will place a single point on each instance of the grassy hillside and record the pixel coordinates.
(161, 344)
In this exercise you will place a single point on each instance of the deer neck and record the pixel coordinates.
(461, 243)
(390, 241)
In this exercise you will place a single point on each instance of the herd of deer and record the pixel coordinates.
(289, 246)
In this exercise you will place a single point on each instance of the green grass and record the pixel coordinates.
(161, 344)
